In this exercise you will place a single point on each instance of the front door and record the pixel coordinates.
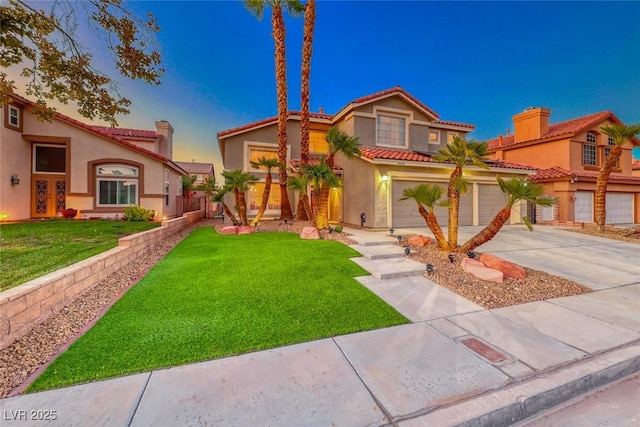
(48, 196)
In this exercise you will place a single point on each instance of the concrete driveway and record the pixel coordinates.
(595, 262)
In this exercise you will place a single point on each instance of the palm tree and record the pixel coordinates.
(620, 134)
(268, 164)
(322, 177)
(219, 197)
(209, 187)
(460, 153)
(238, 182)
(278, 32)
(301, 183)
(187, 184)
(428, 195)
(515, 189)
(309, 23)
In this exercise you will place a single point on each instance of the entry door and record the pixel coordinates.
(48, 195)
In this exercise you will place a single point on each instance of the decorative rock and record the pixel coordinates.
(245, 229)
(232, 229)
(509, 269)
(478, 269)
(419, 241)
(310, 233)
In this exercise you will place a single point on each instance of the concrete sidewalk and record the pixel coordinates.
(455, 364)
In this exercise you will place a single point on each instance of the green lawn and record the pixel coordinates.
(215, 295)
(32, 249)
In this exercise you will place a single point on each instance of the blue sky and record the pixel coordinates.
(475, 62)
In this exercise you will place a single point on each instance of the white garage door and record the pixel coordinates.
(405, 212)
(619, 208)
(584, 206)
(490, 200)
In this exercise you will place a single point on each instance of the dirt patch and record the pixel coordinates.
(629, 234)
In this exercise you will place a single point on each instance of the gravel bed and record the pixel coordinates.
(26, 354)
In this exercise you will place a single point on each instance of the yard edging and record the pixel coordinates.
(24, 306)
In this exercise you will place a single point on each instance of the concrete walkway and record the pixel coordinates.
(455, 364)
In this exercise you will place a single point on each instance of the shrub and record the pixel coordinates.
(338, 229)
(138, 213)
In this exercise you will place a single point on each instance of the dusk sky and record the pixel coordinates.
(475, 62)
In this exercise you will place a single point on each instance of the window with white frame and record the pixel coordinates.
(14, 116)
(607, 150)
(255, 152)
(49, 159)
(591, 138)
(450, 136)
(391, 130)
(256, 191)
(589, 154)
(117, 185)
(434, 137)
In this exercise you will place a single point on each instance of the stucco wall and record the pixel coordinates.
(24, 306)
(15, 158)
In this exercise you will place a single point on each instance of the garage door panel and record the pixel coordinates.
(405, 212)
(491, 200)
(583, 209)
(619, 208)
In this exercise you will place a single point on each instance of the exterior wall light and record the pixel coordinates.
(14, 179)
(385, 178)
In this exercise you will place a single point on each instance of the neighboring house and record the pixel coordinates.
(568, 156)
(635, 168)
(398, 134)
(49, 166)
(201, 171)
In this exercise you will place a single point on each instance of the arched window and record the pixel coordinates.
(117, 185)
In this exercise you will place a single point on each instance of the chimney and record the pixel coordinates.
(532, 123)
(165, 129)
(321, 110)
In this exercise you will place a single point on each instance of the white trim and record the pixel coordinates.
(439, 135)
(354, 105)
(443, 126)
(246, 165)
(393, 113)
(12, 108)
(113, 178)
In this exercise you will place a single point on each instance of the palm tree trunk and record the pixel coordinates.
(242, 207)
(322, 214)
(278, 33)
(453, 196)
(600, 202)
(230, 214)
(301, 211)
(264, 202)
(309, 22)
(489, 231)
(432, 223)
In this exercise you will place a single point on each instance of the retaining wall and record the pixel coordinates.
(24, 306)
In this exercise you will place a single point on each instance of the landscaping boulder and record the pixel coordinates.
(478, 269)
(245, 229)
(419, 241)
(310, 233)
(509, 269)
(232, 229)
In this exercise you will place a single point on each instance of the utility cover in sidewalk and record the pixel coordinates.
(482, 349)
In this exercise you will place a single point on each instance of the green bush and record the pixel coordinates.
(338, 229)
(138, 213)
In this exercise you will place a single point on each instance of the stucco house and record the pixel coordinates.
(635, 168)
(46, 167)
(568, 156)
(201, 171)
(399, 134)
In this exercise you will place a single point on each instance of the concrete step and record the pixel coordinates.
(379, 251)
(370, 238)
(390, 268)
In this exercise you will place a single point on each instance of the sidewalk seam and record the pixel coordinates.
(138, 400)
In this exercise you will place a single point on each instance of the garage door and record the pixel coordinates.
(619, 208)
(490, 200)
(405, 212)
(584, 206)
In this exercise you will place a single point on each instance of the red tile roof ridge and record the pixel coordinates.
(452, 123)
(295, 163)
(373, 153)
(269, 120)
(135, 133)
(385, 92)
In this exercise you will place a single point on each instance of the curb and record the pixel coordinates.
(516, 403)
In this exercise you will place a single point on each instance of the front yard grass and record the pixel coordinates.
(215, 295)
(32, 249)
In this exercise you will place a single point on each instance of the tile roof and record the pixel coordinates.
(295, 164)
(558, 172)
(133, 133)
(568, 127)
(100, 130)
(331, 117)
(373, 153)
(391, 91)
(195, 167)
(271, 120)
